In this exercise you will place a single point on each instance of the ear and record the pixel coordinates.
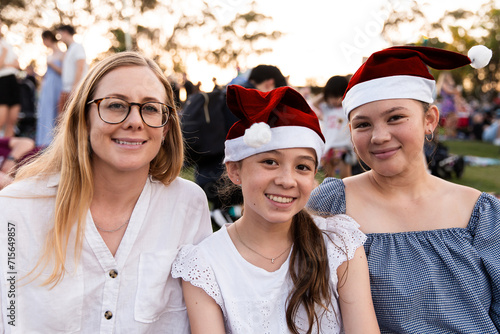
(233, 171)
(431, 119)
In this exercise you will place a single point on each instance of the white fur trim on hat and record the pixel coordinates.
(393, 87)
(479, 56)
(282, 137)
(257, 135)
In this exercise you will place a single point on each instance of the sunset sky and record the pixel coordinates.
(321, 38)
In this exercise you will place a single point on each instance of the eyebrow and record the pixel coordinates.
(307, 157)
(388, 111)
(124, 97)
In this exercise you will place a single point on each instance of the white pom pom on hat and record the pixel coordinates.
(401, 72)
(257, 135)
(479, 56)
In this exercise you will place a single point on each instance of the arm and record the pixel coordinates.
(205, 316)
(355, 297)
(56, 68)
(19, 147)
(5, 180)
(3, 54)
(80, 64)
(14, 64)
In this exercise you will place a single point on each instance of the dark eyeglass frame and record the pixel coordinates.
(130, 104)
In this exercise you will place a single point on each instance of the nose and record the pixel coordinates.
(134, 118)
(285, 178)
(380, 134)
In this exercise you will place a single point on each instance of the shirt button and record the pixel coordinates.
(108, 315)
(113, 273)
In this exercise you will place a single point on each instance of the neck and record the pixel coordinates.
(117, 189)
(412, 183)
(263, 234)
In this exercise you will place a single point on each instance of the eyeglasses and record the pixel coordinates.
(113, 110)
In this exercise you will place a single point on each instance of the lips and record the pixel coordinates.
(280, 199)
(385, 153)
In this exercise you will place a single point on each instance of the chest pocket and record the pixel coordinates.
(157, 291)
(46, 310)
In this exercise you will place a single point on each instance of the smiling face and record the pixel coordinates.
(131, 145)
(275, 184)
(389, 134)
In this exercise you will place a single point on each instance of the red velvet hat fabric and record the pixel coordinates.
(282, 106)
(399, 72)
(407, 60)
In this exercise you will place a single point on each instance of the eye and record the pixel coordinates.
(269, 162)
(396, 117)
(304, 167)
(116, 105)
(361, 125)
(152, 108)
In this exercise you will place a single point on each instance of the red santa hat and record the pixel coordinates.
(274, 120)
(401, 72)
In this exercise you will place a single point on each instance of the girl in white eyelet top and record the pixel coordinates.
(277, 269)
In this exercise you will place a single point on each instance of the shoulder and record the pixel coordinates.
(460, 192)
(342, 234)
(179, 186)
(457, 197)
(201, 255)
(183, 195)
(328, 197)
(75, 50)
(31, 187)
(486, 215)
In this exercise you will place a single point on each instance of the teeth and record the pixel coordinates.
(128, 142)
(280, 199)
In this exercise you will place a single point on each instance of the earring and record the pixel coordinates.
(431, 138)
(162, 140)
(238, 180)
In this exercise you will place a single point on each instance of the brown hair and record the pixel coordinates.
(70, 155)
(309, 271)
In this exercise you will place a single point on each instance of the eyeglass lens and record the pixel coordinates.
(115, 111)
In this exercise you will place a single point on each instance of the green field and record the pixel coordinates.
(482, 178)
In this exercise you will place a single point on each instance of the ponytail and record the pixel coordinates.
(309, 271)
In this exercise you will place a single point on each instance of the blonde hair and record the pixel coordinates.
(70, 155)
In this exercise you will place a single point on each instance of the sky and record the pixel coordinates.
(321, 38)
(331, 37)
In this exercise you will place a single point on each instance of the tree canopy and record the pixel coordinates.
(221, 32)
(457, 30)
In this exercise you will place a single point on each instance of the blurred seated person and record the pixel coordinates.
(491, 133)
(13, 152)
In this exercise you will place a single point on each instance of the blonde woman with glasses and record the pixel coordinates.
(92, 226)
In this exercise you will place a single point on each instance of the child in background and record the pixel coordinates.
(277, 269)
(338, 151)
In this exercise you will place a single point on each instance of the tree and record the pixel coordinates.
(167, 31)
(458, 31)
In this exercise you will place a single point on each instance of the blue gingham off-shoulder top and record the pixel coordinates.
(438, 281)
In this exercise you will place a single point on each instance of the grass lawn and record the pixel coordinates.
(482, 178)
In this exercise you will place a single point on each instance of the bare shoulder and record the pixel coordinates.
(356, 181)
(460, 194)
(457, 201)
